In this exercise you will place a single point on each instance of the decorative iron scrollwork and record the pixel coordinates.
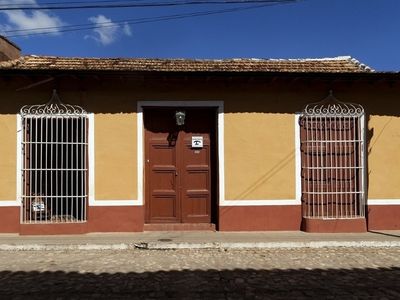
(332, 107)
(53, 108)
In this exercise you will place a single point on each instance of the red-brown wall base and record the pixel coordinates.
(51, 229)
(115, 218)
(100, 219)
(9, 219)
(179, 227)
(334, 226)
(259, 218)
(231, 218)
(383, 217)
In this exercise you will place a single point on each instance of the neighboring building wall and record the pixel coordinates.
(8, 50)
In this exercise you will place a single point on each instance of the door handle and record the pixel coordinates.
(176, 173)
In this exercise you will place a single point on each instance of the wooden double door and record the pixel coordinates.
(180, 177)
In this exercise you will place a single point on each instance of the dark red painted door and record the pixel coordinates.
(178, 177)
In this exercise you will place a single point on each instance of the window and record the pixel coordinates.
(54, 163)
(332, 160)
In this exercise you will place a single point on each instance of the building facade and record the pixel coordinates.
(123, 145)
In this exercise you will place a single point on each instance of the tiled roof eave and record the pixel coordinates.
(107, 71)
(334, 65)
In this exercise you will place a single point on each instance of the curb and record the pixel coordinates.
(273, 245)
(62, 247)
(194, 246)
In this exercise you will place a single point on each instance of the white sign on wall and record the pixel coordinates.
(197, 142)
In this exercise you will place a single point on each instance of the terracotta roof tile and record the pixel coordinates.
(341, 64)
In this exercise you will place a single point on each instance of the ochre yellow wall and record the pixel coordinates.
(115, 156)
(8, 155)
(259, 133)
(259, 156)
(384, 157)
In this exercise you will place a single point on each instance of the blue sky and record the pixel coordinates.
(368, 30)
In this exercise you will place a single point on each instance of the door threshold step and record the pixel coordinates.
(179, 227)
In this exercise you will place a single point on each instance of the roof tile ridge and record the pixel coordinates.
(68, 57)
(362, 66)
(40, 56)
(335, 58)
(349, 58)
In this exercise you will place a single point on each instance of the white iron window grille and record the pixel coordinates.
(332, 160)
(54, 163)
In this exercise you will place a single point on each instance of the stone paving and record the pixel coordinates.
(327, 273)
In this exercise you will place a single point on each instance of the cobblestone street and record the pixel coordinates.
(328, 273)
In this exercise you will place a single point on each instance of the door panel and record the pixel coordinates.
(163, 206)
(178, 179)
(196, 182)
(161, 188)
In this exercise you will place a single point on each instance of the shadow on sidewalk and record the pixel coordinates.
(381, 283)
(385, 233)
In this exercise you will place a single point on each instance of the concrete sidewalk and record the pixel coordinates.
(198, 240)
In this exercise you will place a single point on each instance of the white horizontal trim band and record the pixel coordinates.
(383, 201)
(116, 203)
(9, 203)
(297, 202)
(260, 202)
(132, 202)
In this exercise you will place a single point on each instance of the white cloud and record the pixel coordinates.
(107, 31)
(127, 29)
(5, 27)
(37, 19)
(18, 19)
(18, 2)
